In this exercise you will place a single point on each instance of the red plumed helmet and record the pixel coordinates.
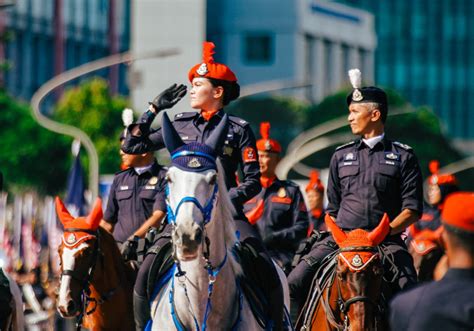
(315, 182)
(266, 144)
(440, 179)
(210, 69)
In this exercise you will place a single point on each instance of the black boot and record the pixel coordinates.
(141, 311)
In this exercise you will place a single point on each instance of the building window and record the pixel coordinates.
(258, 48)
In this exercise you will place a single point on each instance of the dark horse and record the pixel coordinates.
(346, 290)
(96, 286)
(427, 250)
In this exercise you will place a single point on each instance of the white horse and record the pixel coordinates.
(203, 292)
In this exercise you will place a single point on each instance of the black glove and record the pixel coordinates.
(129, 249)
(169, 97)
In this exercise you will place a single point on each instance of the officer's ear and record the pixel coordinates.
(376, 115)
(218, 92)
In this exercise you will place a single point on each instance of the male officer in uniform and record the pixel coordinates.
(369, 177)
(278, 211)
(449, 303)
(129, 213)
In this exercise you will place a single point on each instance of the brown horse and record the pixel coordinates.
(427, 251)
(348, 296)
(96, 286)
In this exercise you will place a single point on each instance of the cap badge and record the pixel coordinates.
(153, 180)
(281, 192)
(71, 239)
(356, 261)
(357, 95)
(349, 157)
(268, 145)
(202, 70)
(194, 163)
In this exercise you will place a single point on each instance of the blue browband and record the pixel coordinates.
(189, 153)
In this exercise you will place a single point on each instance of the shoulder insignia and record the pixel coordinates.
(404, 146)
(346, 145)
(186, 115)
(238, 121)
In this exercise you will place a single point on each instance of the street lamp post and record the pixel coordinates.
(74, 132)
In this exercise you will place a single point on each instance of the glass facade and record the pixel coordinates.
(52, 36)
(426, 51)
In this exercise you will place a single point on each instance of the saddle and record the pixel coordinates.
(162, 263)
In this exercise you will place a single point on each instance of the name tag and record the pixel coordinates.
(390, 162)
(149, 187)
(123, 188)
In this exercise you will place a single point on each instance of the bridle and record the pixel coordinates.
(85, 281)
(343, 304)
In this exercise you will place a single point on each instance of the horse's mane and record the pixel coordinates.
(224, 214)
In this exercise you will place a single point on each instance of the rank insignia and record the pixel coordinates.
(281, 192)
(71, 239)
(202, 70)
(153, 180)
(357, 95)
(356, 261)
(194, 163)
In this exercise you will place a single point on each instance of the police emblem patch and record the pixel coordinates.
(281, 192)
(153, 180)
(357, 95)
(71, 239)
(194, 163)
(392, 156)
(349, 157)
(356, 261)
(202, 70)
(249, 155)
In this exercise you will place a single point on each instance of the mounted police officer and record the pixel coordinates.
(447, 304)
(369, 177)
(278, 211)
(214, 86)
(129, 212)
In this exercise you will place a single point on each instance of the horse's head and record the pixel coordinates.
(192, 187)
(359, 273)
(78, 254)
(426, 249)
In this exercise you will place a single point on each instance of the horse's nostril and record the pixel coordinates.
(71, 306)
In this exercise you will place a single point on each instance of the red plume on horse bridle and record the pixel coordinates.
(373, 238)
(90, 222)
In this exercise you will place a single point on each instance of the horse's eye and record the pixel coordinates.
(168, 178)
(213, 179)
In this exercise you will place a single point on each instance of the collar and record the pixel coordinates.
(371, 142)
(267, 182)
(148, 168)
(208, 116)
(454, 273)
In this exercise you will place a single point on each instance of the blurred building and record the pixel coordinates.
(292, 40)
(51, 36)
(425, 51)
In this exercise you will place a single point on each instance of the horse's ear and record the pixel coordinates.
(338, 235)
(171, 138)
(94, 218)
(62, 212)
(217, 137)
(378, 234)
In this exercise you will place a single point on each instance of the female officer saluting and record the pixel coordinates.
(214, 85)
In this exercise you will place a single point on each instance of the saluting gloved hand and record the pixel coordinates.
(169, 97)
(129, 249)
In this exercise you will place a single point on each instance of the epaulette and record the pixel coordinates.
(186, 115)
(238, 121)
(404, 146)
(346, 145)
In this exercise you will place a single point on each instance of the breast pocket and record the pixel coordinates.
(148, 194)
(124, 195)
(347, 175)
(387, 178)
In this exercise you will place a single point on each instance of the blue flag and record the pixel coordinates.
(75, 201)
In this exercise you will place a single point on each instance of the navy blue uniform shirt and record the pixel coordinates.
(444, 305)
(239, 148)
(131, 199)
(283, 222)
(365, 183)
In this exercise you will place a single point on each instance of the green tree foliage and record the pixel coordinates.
(91, 108)
(31, 157)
